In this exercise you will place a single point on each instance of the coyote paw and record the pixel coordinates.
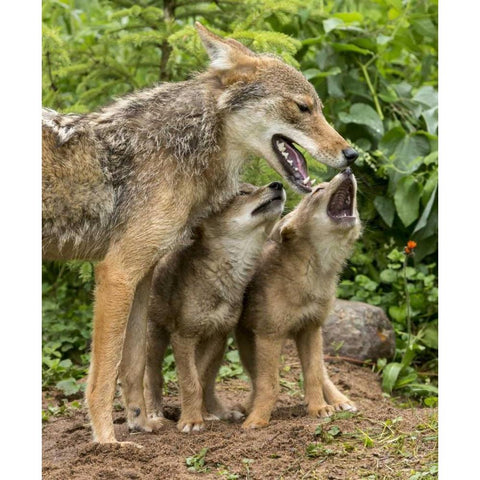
(226, 415)
(115, 445)
(321, 411)
(149, 425)
(233, 416)
(347, 405)
(189, 426)
(254, 422)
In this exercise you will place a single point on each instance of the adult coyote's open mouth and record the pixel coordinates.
(293, 162)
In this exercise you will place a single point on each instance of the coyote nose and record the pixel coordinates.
(276, 186)
(348, 171)
(350, 155)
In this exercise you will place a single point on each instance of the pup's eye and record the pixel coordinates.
(303, 107)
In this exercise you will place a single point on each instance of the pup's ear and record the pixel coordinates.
(283, 231)
(224, 53)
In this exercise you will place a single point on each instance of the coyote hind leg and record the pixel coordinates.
(157, 343)
(132, 367)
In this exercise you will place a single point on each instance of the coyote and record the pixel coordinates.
(292, 292)
(197, 299)
(127, 183)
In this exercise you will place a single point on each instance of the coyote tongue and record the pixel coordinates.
(292, 161)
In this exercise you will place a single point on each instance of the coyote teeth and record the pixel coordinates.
(306, 180)
(290, 162)
(314, 181)
(281, 146)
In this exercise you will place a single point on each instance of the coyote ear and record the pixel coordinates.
(224, 53)
(282, 231)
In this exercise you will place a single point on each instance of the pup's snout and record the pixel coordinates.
(350, 155)
(348, 171)
(276, 186)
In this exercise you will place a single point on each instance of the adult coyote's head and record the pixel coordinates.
(270, 106)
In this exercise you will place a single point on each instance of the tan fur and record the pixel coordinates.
(197, 299)
(126, 184)
(290, 295)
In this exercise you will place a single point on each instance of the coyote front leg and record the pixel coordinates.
(191, 392)
(113, 300)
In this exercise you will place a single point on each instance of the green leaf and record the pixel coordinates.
(405, 380)
(350, 47)
(68, 386)
(390, 375)
(312, 73)
(422, 222)
(431, 119)
(390, 141)
(349, 17)
(426, 96)
(388, 276)
(429, 336)
(331, 24)
(385, 208)
(407, 199)
(363, 114)
(398, 313)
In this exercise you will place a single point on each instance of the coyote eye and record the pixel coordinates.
(243, 192)
(302, 107)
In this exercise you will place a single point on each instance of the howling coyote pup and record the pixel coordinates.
(197, 299)
(291, 294)
(126, 184)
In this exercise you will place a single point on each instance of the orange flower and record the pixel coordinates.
(409, 249)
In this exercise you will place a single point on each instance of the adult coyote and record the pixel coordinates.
(126, 184)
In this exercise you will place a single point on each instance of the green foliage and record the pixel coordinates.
(67, 312)
(196, 463)
(374, 65)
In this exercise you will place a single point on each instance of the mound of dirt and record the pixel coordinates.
(382, 441)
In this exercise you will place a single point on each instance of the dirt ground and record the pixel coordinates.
(385, 440)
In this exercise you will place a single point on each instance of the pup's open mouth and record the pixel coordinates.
(293, 162)
(340, 206)
(267, 204)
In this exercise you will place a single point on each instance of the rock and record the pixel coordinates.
(358, 330)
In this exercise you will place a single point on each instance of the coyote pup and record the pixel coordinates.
(291, 294)
(197, 299)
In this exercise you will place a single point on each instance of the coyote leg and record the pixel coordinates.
(132, 366)
(246, 348)
(315, 377)
(114, 297)
(267, 381)
(209, 358)
(157, 343)
(191, 419)
(333, 396)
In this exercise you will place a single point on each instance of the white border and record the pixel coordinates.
(20, 200)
